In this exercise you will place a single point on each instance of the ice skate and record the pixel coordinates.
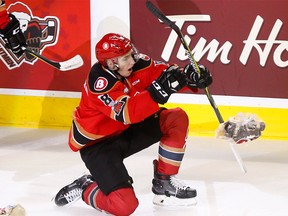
(72, 192)
(170, 191)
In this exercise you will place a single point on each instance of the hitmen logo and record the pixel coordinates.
(100, 84)
(39, 33)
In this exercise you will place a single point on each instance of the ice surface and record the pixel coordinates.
(36, 163)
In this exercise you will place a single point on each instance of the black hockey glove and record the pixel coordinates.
(196, 80)
(13, 36)
(170, 81)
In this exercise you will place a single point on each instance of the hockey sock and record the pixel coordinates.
(169, 159)
(119, 202)
(174, 126)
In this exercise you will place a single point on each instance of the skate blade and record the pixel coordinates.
(162, 200)
(68, 205)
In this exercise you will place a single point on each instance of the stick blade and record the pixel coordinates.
(71, 64)
(237, 156)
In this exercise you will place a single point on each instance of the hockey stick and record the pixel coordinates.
(70, 64)
(152, 8)
(155, 11)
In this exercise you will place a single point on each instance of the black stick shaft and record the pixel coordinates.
(44, 59)
(154, 10)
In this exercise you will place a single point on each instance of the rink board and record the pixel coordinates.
(54, 112)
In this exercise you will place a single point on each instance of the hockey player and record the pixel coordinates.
(118, 116)
(10, 31)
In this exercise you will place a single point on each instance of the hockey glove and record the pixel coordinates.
(170, 81)
(13, 36)
(198, 80)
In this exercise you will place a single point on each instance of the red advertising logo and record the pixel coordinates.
(245, 50)
(214, 49)
(39, 33)
(54, 33)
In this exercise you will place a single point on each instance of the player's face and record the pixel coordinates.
(125, 64)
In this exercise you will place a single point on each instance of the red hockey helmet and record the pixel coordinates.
(112, 45)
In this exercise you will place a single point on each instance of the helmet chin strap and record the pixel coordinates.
(114, 67)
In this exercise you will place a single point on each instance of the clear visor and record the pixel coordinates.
(135, 54)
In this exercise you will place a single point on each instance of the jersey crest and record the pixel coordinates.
(100, 84)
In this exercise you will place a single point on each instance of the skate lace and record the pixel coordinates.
(73, 195)
(177, 183)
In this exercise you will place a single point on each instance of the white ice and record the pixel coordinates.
(36, 163)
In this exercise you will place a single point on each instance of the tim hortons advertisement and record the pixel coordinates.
(54, 32)
(243, 43)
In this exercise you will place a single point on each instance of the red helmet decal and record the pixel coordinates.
(100, 84)
(105, 46)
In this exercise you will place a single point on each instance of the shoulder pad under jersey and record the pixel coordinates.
(143, 62)
(100, 79)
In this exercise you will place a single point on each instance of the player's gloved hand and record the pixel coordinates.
(170, 81)
(196, 80)
(13, 36)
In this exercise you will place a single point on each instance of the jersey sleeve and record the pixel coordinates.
(147, 70)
